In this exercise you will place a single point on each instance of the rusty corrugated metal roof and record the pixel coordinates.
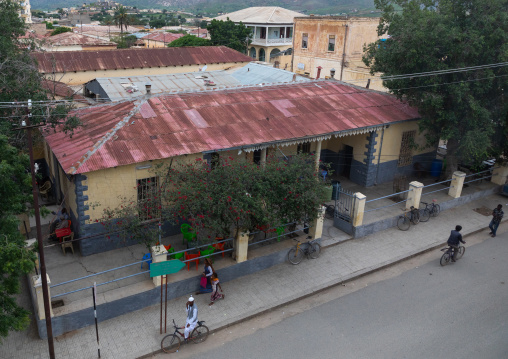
(160, 36)
(66, 61)
(71, 38)
(185, 123)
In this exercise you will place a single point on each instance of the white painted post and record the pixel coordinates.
(457, 184)
(359, 209)
(159, 254)
(262, 161)
(37, 284)
(318, 154)
(414, 195)
(499, 175)
(316, 229)
(241, 246)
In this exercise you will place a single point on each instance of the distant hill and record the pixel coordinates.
(212, 7)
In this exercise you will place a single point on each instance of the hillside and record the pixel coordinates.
(212, 7)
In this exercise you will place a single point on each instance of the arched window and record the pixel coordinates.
(274, 53)
(262, 55)
(252, 52)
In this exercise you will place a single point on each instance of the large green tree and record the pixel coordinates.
(227, 33)
(189, 40)
(122, 18)
(466, 108)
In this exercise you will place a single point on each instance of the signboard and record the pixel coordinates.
(166, 267)
(300, 66)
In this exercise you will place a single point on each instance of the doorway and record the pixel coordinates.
(348, 160)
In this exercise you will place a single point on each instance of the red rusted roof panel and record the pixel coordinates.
(171, 125)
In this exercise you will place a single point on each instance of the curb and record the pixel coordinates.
(321, 288)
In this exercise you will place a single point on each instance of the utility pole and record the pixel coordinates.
(44, 279)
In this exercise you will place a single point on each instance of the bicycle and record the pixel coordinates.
(330, 211)
(448, 253)
(404, 221)
(311, 249)
(171, 342)
(433, 208)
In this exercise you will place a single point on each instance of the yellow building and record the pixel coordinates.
(365, 135)
(272, 29)
(332, 46)
(79, 67)
(25, 12)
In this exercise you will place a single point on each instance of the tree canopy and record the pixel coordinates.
(466, 108)
(122, 18)
(227, 33)
(60, 30)
(189, 40)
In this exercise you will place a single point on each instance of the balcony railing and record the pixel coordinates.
(272, 42)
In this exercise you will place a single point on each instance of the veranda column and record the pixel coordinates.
(263, 157)
(241, 246)
(359, 208)
(37, 284)
(414, 195)
(499, 175)
(316, 228)
(318, 154)
(457, 184)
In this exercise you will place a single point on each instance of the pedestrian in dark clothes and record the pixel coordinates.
(497, 216)
(454, 240)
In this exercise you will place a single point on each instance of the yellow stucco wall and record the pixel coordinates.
(78, 78)
(360, 31)
(268, 50)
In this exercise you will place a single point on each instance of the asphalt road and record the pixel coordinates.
(457, 311)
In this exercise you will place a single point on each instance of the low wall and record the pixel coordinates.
(85, 317)
(383, 224)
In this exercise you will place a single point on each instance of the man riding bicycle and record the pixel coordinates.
(454, 240)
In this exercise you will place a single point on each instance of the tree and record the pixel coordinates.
(227, 33)
(60, 30)
(125, 42)
(157, 23)
(189, 40)
(49, 25)
(466, 108)
(122, 18)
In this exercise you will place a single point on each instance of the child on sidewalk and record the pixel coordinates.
(215, 292)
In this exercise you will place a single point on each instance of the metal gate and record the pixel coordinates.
(344, 210)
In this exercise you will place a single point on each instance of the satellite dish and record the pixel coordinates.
(204, 68)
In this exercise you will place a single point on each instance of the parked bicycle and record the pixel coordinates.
(433, 208)
(171, 342)
(330, 211)
(311, 249)
(411, 216)
(448, 254)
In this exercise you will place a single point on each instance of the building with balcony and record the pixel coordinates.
(272, 29)
(25, 12)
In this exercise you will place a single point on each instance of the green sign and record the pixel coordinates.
(167, 267)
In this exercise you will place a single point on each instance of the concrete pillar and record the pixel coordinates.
(359, 208)
(457, 184)
(159, 254)
(414, 195)
(499, 175)
(37, 284)
(263, 157)
(316, 228)
(241, 246)
(318, 154)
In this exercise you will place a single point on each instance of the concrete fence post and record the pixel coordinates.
(318, 153)
(414, 195)
(316, 229)
(359, 208)
(241, 246)
(37, 284)
(159, 254)
(262, 161)
(457, 184)
(499, 175)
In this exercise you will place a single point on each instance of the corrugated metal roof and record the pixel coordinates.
(255, 74)
(66, 61)
(161, 36)
(70, 38)
(172, 125)
(116, 88)
(262, 15)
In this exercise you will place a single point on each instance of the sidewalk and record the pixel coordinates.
(137, 334)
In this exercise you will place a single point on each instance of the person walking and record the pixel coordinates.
(215, 286)
(454, 240)
(192, 317)
(497, 216)
(60, 222)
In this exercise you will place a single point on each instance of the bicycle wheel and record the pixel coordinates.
(424, 215)
(415, 217)
(295, 257)
(199, 334)
(403, 223)
(461, 251)
(435, 210)
(314, 250)
(445, 259)
(170, 343)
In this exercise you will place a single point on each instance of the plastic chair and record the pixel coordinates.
(188, 233)
(67, 243)
(190, 258)
(148, 258)
(219, 247)
(168, 247)
(45, 189)
(208, 252)
(176, 255)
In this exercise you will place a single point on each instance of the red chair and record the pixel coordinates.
(168, 247)
(219, 247)
(190, 258)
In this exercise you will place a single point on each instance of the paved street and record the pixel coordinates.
(457, 311)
